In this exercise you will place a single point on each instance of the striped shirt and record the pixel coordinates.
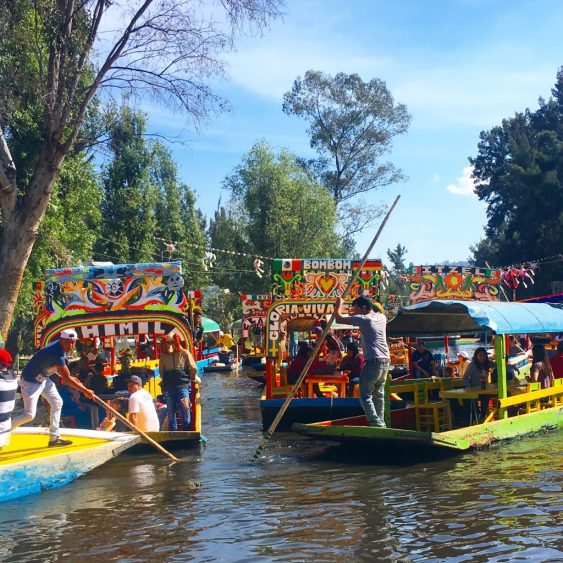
(8, 386)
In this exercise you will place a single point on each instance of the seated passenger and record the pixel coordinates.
(556, 361)
(541, 368)
(352, 364)
(298, 363)
(423, 361)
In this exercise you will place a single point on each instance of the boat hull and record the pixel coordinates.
(222, 368)
(33, 468)
(308, 410)
(354, 432)
(169, 440)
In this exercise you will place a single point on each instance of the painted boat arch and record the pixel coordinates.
(121, 323)
(286, 310)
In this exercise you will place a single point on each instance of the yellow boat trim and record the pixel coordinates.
(24, 447)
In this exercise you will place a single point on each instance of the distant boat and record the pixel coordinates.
(29, 466)
(219, 366)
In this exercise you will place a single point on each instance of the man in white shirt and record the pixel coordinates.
(142, 412)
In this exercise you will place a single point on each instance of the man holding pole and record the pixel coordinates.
(373, 338)
(36, 382)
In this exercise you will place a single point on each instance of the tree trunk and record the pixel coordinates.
(15, 249)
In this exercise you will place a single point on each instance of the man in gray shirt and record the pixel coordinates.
(376, 353)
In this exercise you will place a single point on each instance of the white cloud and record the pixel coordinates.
(464, 185)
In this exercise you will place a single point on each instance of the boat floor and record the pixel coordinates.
(33, 443)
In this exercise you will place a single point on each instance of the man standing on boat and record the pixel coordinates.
(36, 382)
(373, 337)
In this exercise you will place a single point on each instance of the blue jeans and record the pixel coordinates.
(372, 391)
(178, 398)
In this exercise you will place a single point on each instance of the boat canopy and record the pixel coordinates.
(443, 317)
(209, 325)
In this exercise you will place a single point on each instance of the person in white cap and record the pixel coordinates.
(36, 382)
(463, 359)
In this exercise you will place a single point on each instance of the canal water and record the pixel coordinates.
(302, 501)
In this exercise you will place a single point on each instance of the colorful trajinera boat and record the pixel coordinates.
(252, 332)
(28, 466)
(121, 304)
(425, 423)
(304, 292)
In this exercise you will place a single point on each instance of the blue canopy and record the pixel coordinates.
(442, 317)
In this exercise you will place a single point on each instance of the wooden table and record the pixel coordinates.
(475, 392)
(471, 394)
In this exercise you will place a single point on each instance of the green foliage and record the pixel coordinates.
(221, 305)
(396, 286)
(276, 209)
(397, 257)
(288, 213)
(519, 174)
(145, 204)
(351, 124)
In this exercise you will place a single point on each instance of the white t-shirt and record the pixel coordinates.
(141, 403)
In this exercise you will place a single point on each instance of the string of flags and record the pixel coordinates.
(511, 276)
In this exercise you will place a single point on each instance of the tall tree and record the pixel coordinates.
(287, 211)
(66, 236)
(397, 257)
(130, 199)
(277, 210)
(519, 174)
(351, 125)
(47, 77)
(147, 213)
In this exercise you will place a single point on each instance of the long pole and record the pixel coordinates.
(134, 428)
(320, 340)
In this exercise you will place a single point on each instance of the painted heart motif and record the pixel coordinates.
(326, 284)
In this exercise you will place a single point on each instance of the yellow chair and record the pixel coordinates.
(433, 416)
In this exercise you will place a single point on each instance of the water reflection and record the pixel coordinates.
(302, 501)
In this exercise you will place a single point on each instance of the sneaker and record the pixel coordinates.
(59, 442)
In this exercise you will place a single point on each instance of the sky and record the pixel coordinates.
(460, 67)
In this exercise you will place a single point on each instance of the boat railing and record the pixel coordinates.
(531, 399)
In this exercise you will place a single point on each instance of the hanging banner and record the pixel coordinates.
(453, 282)
(79, 299)
(282, 312)
(323, 278)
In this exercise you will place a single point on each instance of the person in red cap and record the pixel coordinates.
(8, 386)
(36, 382)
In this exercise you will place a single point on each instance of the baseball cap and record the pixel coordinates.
(69, 334)
(463, 354)
(5, 357)
(134, 379)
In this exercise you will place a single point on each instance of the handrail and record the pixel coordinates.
(530, 396)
